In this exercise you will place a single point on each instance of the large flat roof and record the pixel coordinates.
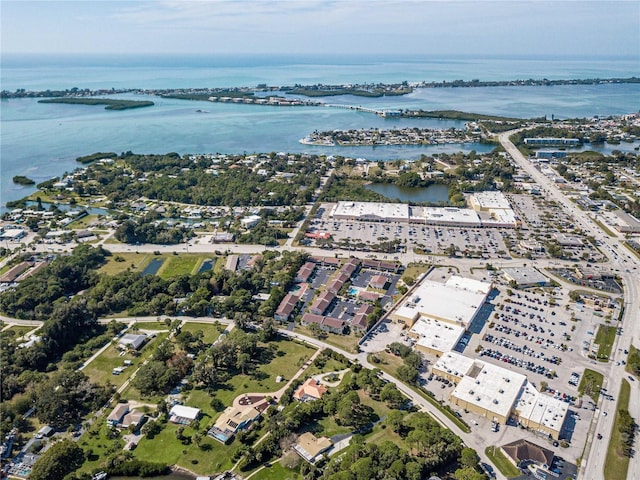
(490, 387)
(541, 408)
(454, 364)
(450, 215)
(489, 200)
(396, 211)
(436, 335)
(457, 301)
(524, 275)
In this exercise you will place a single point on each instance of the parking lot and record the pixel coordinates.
(394, 237)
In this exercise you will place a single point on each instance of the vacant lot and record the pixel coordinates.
(616, 464)
(101, 368)
(605, 338)
(590, 384)
(210, 331)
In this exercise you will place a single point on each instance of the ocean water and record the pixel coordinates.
(43, 140)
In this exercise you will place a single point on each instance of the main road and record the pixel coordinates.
(627, 266)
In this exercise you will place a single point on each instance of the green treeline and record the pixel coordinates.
(150, 229)
(456, 115)
(111, 104)
(96, 156)
(174, 178)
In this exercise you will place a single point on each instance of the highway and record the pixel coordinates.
(627, 267)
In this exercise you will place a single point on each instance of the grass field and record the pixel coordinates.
(590, 384)
(177, 265)
(345, 342)
(18, 330)
(210, 331)
(414, 270)
(136, 261)
(507, 468)
(605, 337)
(100, 369)
(211, 456)
(276, 471)
(616, 464)
(83, 222)
(173, 266)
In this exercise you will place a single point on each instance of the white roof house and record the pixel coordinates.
(183, 414)
(132, 340)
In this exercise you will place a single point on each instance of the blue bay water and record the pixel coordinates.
(43, 140)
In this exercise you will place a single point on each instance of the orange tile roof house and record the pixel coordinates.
(309, 391)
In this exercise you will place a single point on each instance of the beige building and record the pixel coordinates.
(310, 447)
(497, 393)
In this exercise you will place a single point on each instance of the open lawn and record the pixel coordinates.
(83, 222)
(210, 331)
(590, 384)
(414, 270)
(98, 442)
(276, 471)
(177, 265)
(605, 337)
(18, 330)
(210, 456)
(616, 464)
(286, 358)
(507, 468)
(119, 262)
(345, 342)
(330, 366)
(101, 368)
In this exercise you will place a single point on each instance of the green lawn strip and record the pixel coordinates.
(210, 331)
(176, 266)
(632, 361)
(603, 227)
(507, 468)
(389, 363)
(591, 384)
(631, 249)
(616, 464)
(605, 337)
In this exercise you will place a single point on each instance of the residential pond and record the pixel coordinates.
(431, 194)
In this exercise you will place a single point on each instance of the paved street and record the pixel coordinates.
(623, 261)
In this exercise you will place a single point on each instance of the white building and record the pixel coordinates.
(456, 302)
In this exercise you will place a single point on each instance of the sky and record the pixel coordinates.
(501, 27)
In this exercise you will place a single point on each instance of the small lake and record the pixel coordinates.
(430, 194)
(153, 266)
(206, 265)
